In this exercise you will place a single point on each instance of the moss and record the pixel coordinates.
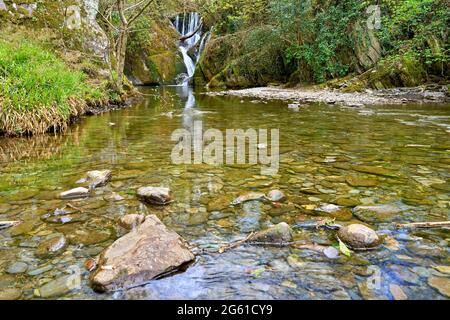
(396, 71)
(37, 90)
(242, 60)
(153, 56)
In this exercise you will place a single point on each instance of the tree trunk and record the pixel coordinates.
(121, 45)
(120, 57)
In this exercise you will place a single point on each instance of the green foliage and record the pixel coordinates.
(229, 16)
(32, 77)
(419, 27)
(344, 249)
(324, 39)
(316, 36)
(33, 81)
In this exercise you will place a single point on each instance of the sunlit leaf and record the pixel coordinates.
(343, 248)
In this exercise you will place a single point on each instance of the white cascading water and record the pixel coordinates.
(186, 24)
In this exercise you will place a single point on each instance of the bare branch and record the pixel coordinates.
(137, 15)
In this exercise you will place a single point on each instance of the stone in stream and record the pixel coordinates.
(52, 247)
(397, 292)
(75, 193)
(441, 284)
(22, 228)
(3, 6)
(145, 253)
(347, 202)
(131, 221)
(278, 209)
(218, 204)
(154, 195)
(17, 267)
(279, 233)
(40, 270)
(59, 287)
(250, 196)
(65, 219)
(377, 213)
(10, 294)
(336, 212)
(361, 182)
(402, 274)
(375, 171)
(276, 196)
(88, 237)
(358, 236)
(441, 186)
(98, 178)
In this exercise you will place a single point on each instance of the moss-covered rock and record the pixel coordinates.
(398, 71)
(241, 60)
(152, 55)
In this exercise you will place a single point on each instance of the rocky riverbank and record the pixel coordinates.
(423, 94)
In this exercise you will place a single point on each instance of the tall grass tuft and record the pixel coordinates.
(38, 91)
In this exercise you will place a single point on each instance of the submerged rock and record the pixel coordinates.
(441, 284)
(397, 292)
(75, 193)
(278, 209)
(281, 232)
(17, 267)
(336, 212)
(218, 204)
(147, 252)
(276, 196)
(375, 171)
(251, 196)
(52, 247)
(88, 237)
(58, 287)
(361, 182)
(347, 202)
(98, 179)
(378, 213)
(358, 236)
(10, 294)
(131, 221)
(154, 195)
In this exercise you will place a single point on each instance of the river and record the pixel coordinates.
(321, 148)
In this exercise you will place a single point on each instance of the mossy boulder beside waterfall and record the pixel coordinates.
(153, 56)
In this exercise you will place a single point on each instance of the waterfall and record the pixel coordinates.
(191, 48)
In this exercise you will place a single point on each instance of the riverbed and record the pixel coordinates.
(327, 153)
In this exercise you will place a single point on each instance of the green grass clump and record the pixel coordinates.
(38, 91)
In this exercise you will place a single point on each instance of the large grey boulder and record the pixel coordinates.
(145, 253)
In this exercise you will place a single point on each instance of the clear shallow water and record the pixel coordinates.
(321, 147)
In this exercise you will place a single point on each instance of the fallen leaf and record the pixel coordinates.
(343, 248)
(258, 272)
